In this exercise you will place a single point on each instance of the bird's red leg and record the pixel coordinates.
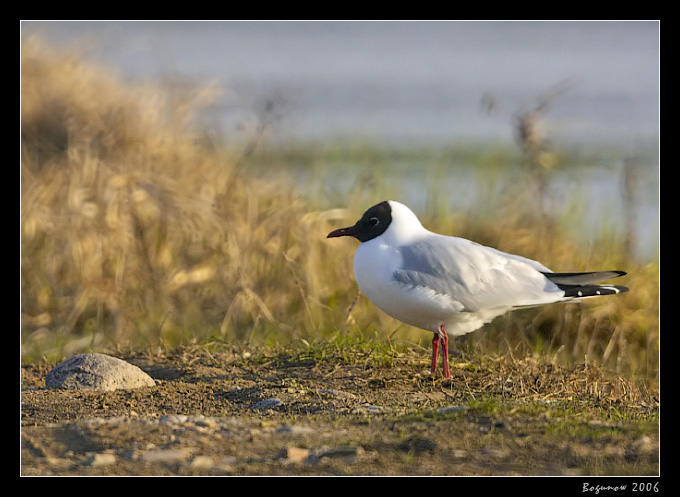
(435, 350)
(445, 351)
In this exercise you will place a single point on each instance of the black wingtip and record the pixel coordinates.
(578, 291)
(587, 278)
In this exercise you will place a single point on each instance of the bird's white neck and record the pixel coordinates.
(405, 225)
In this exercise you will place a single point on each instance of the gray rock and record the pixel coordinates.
(96, 372)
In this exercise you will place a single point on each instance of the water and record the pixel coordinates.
(400, 81)
(409, 83)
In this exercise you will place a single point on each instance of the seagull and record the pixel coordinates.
(450, 285)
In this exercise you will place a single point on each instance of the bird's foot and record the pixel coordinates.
(441, 337)
(435, 352)
(444, 338)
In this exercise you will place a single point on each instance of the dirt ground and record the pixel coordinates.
(233, 413)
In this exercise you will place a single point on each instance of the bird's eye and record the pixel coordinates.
(374, 221)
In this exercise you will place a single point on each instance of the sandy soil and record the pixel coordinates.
(229, 413)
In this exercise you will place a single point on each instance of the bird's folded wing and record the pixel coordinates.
(477, 276)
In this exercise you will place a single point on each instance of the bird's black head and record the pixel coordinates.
(373, 223)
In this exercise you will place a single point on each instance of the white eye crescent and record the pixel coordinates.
(374, 221)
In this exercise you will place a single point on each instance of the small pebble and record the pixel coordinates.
(366, 409)
(293, 454)
(165, 455)
(348, 453)
(174, 419)
(202, 462)
(101, 459)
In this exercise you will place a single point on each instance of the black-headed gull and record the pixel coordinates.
(451, 285)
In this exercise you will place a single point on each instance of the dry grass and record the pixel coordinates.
(137, 232)
(132, 231)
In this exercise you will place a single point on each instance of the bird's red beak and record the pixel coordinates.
(349, 231)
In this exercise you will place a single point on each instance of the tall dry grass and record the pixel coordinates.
(137, 232)
(133, 232)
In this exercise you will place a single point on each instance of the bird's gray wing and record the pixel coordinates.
(478, 277)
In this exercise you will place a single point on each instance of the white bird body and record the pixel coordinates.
(447, 284)
(466, 300)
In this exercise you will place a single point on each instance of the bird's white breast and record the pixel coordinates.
(374, 265)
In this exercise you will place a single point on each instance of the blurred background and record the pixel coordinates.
(398, 82)
(178, 178)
